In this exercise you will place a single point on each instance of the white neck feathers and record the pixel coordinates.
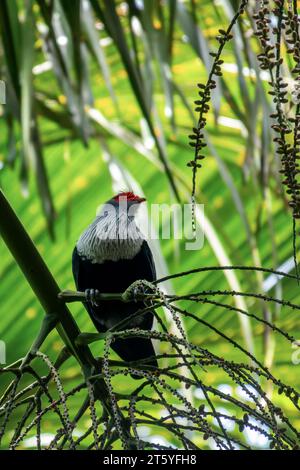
(111, 237)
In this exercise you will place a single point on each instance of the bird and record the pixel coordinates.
(108, 257)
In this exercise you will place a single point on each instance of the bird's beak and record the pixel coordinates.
(141, 199)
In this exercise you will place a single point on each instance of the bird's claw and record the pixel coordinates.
(91, 296)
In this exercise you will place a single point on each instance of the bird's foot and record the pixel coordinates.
(91, 296)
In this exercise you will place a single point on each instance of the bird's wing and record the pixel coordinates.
(110, 277)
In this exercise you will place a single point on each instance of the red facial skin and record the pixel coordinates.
(130, 196)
